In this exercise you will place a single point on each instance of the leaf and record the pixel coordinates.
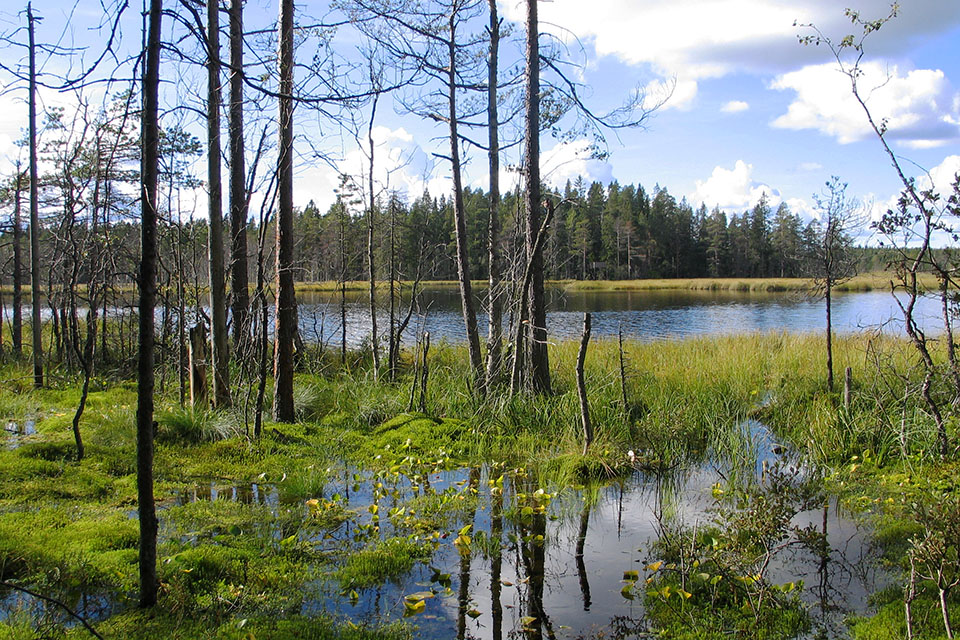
(627, 591)
(465, 529)
(654, 566)
(234, 530)
(473, 613)
(631, 576)
(419, 596)
(413, 608)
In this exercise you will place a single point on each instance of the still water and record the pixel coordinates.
(558, 572)
(644, 315)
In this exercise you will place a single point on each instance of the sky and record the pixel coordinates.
(751, 112)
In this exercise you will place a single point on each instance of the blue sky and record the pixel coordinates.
(751, 111)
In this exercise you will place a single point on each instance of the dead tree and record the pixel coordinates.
(218, 293)
(239, 206)
(150, 139)
(286, 306)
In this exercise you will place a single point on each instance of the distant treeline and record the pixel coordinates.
(613, 232)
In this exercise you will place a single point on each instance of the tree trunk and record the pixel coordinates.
(460, 217)
(371, 265)
(34, 212)
(17, 268)
(286, 313)
(495, 315)
(539, 363)
(827, 297)
(582, 387)
(150, 141)
(220, 356)
(238, 192)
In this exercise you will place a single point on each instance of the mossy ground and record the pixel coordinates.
(238, 568)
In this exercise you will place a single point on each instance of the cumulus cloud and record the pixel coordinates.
(918, 106)
(568, 160)
(733, 189)
(941, 178)
(735, 106)
(698, 39)
(400, 164)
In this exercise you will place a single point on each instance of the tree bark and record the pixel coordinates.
(460, 217)
(17, 267)
(35, 274)
(371, 264)
(150, 141)
(495, 314)
(539, 363)
(286, 313)
(827, 297)
(220, 355)
(582, 387)
(238, 193)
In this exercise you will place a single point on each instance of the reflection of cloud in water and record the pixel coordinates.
(648, 315)
(581, 595)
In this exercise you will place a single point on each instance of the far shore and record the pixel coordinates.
(874, 281)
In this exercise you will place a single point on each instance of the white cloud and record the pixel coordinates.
(670, 94)
(810, 166)
(941, 178)
(568, 160)
(733, 190)
(697, 39)
(916, 105)
(735, 106)
(400, 164)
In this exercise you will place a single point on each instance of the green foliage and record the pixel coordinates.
(189, 426)
(390, 558)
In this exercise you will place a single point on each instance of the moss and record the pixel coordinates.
(154, 624)
(87, 546)
(387, 559)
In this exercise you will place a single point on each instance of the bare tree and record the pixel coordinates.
(150, 140)
(832, 260)
(495, 298)
(238, 193)
(35, 285)
(286, 313)
(218, 293)
(537, 322)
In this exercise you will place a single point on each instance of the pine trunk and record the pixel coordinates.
(286, 313)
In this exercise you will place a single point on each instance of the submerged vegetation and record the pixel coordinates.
(362, 519)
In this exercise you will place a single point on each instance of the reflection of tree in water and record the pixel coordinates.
(496, 563)
(463, 592)
(578, 555)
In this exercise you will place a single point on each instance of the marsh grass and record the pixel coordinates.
(389, 558)
(63, 522)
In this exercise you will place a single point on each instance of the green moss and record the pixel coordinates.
(387, 559)
(154, 624)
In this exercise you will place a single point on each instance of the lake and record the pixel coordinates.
(643, 315)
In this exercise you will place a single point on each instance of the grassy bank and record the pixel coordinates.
(876, 281)
(246, 566)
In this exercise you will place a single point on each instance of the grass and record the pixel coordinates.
(71, 527)
(864, 282)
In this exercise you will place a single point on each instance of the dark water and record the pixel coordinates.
(644, 315)
(557, 572)
(563, 566)
(15, 432)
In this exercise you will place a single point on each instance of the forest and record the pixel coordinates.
(182, 459)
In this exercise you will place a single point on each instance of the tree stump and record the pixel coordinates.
(198, 366)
